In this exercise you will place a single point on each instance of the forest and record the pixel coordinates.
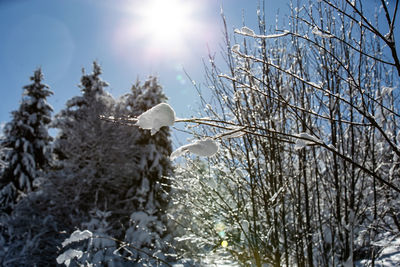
(293, 158)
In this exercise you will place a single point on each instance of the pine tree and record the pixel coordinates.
(85, 174)
(74, 186)
(82, 146)
(148, 226)
(114, 168)
(27, 141)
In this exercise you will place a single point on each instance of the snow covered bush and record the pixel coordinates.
(35, 229)
(313, 166)
(205, 210)
(95, 247)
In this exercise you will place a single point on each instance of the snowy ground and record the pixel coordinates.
(389, 256)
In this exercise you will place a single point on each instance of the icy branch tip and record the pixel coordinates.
(156, 117)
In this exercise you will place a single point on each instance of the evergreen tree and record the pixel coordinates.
(82, 146)
(85, 175)
(27, 141)
(115, 169)
(77, 184)
(148, 222)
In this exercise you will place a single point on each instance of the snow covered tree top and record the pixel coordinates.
(37, 89)
(90, 83)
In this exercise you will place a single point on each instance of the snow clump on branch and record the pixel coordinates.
(204, 148)
(245, 31)
(68, 255)
(156, 117)
(249, 32)
(163, 115)
(77, 236)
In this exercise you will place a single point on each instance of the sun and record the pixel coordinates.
(165, 21)
(160, 32)
(165, 25)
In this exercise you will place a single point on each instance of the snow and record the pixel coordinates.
(236, 48)
(309, 137)
(77, 236)
(239, 172)
(319, 33)
(156, 117)
(204, 148)
(386, 90)
(249, 32)
(301, 142)
(68, 255)
(245, 31)
(23, 181)
(273, 35)
(234, 133)
(32, 118)
(245, 230)
(389, 256)
(349, 262)
(141, 234)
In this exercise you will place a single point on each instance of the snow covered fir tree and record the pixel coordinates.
(121, 168)
(148, 223)
(82, 145)
(107, 178)
(27, 142)
(27, 157)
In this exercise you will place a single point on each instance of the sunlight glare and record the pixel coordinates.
(166, 24)
(165, 20)
(163, 31)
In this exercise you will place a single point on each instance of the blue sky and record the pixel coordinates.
(64, 36)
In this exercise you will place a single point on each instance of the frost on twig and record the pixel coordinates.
(305, 139)
(386, 90)
(245, 31)
(236, 48)
(205, 148)
(319, 33)
(156, 117)
(249, 32)
(277, 35)
(233, 133)
(121, 120)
